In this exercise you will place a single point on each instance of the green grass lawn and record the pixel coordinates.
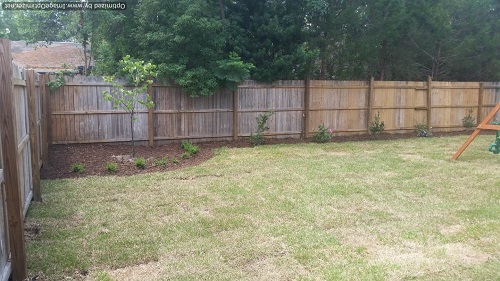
(377, 210)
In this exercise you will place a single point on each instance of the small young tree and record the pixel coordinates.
(140, 76)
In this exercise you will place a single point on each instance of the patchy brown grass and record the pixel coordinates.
(378, 210)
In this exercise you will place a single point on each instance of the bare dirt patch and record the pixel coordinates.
(31, 230)
(149, 271)
(451, 230)
(465, 254)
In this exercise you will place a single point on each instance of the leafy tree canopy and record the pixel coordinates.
(204, 45)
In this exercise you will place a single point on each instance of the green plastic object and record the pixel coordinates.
(495, 147)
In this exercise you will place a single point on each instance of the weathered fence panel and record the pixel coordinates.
(284, 98)
(22, 126)
(490, 97)
(340, 105)
(21, 142)
(80, 114)
(402, 105)
(13, 259)
(451, 102)
(179, 116)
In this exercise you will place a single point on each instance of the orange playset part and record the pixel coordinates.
(482, 126)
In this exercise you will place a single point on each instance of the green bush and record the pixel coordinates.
(190, 148)
(186, 155)
(140, 163)
(175, 160)
(161, 162)
(469, 121)
(422, 130)
(258, 137)
(77, 168)
(111, 167)
(323, 134)
(377, 126)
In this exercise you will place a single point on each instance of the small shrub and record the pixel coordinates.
(258, 137)
(175, 160)
(190, 148)
(77, 168)
(140, 163)
(111, 167)
(422, 130)
(186, 155)
(377, 126)
(469, 121)
(161, 162)
(323, 134)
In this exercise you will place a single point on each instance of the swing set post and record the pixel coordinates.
(482, 126)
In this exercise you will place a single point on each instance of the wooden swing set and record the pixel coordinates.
(482, 126)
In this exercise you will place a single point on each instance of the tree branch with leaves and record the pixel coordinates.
(140, 75)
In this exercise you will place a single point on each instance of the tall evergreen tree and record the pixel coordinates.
(271, 35)
(383, 41)
(477, 32)
(188, 39)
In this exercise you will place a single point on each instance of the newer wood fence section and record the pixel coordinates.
(21, 154)
(79, 114)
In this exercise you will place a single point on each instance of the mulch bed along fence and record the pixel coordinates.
(95, 156)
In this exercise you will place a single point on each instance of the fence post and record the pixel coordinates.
(429, 103)
(151, 132)
(307, 106)
(235, 114)
(43, 106)
(480, 103)
(33, 135)
(370, 104)
(10, 160)
(48, 107)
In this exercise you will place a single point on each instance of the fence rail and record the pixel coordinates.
(79, 114)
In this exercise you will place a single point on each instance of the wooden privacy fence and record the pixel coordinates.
(79, 114)
(22, 148)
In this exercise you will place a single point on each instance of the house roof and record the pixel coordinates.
(48, 57)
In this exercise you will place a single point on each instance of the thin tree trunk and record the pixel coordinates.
(84, 42)
(221, 7)
(322, 71)
(91, 52)
(437, 62)
(132, 132)
(382, 61)
(85, 58)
